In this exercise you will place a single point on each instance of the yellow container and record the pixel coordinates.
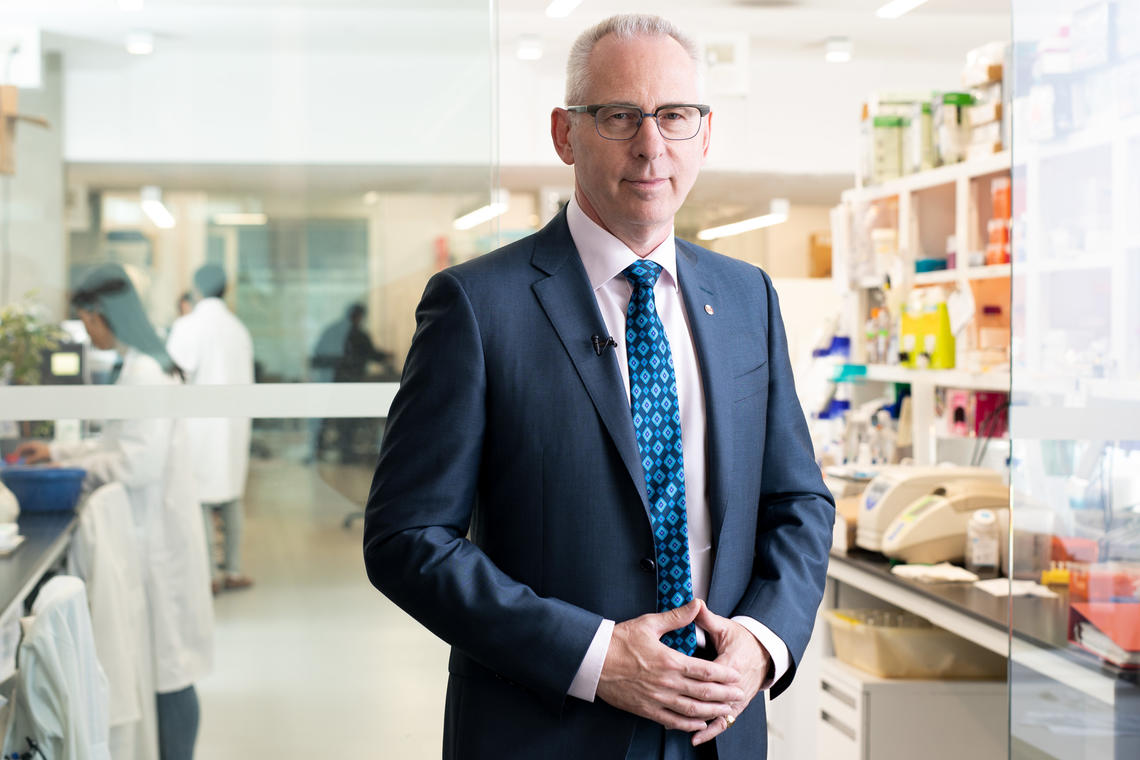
(925, 336)
(902, 645)
(910, 336)
(940, 347)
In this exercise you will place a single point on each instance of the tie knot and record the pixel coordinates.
(642, 274)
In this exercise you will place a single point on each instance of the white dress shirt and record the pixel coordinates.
(604, 257)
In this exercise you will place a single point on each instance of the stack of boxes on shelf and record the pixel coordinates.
(986, 119)
(904, 133)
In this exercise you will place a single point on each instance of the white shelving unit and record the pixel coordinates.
(971, 273)
(944, 378)
(943, 175)
(948, 200)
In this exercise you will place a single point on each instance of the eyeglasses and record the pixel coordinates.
(681, 121)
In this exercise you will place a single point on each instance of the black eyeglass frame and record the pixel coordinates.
(593, 111)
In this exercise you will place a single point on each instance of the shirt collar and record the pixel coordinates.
(604, 256)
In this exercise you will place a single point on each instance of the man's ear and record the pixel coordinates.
(560, 135)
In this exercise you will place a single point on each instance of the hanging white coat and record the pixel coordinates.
(213, 347)
(59, 702)
(149, 457)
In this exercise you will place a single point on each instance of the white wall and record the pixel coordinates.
(781, 250)
(280, 107)
(33, 199)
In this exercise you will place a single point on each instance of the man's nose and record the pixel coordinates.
(648, 142)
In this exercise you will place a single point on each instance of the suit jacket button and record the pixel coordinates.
(647, 565)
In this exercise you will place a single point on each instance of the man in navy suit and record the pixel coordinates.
(563, 542)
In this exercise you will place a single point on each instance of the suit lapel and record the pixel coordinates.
(711, 333)
(570, 305)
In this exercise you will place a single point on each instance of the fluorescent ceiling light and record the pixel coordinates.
(371, 198)
(500, 202)
(896, 8)
(140, 43)
(240, 219)
(154, 208)
(777, 213)
(561, 8)
(837, 50)
(529, 48)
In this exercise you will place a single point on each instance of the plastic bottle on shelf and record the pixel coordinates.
(982, 546)
(883, 335)
(870, 332)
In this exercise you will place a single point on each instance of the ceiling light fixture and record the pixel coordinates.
(371, 198)
(896, 8)
(500, 202)
(140, 43)
(561, 8)
(240, 219)
(777, 213)
(837, 50)
(529, 48)
(154, 208)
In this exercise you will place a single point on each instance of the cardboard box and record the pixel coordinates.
(819, 254)
(981, 150)
(984, 113)
(846, 517)
(981, 74)
(986, 134)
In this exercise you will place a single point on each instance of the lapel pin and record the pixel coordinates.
(708, 309)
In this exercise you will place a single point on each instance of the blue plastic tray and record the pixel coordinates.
(44, 489)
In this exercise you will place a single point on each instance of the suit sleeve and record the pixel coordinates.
(420, 509)
(796, 512)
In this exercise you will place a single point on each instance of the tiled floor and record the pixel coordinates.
(313, 661)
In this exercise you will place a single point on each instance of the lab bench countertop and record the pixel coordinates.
(1037, 621)
(46, 537)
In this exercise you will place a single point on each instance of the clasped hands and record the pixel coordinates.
(643, 676)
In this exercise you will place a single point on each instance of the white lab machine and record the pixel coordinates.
(895, 488)
(933, 528)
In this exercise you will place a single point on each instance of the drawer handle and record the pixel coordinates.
(842, 696)
(837, 724)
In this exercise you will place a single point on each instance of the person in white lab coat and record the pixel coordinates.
(213, 347)
(150, 458)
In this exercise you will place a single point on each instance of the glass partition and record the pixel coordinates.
(1075, 419)
(319, 154)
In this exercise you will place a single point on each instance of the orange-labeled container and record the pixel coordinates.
(1001, 196)
(1104, 582)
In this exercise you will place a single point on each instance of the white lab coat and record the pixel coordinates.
(60, 698)
(149, 457)
(105, 555)
(213, 347)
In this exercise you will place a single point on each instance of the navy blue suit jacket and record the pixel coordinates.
(508, 511)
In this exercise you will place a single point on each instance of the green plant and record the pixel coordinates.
(24, 335)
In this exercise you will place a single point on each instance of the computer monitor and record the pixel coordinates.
(66, 364)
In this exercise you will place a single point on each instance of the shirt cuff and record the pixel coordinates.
(585, 683)
(776, 648)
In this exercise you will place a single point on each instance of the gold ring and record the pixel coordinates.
(729, 720)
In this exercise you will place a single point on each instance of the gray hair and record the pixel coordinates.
(624, 27)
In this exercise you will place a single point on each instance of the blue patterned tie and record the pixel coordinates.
(657, 421)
